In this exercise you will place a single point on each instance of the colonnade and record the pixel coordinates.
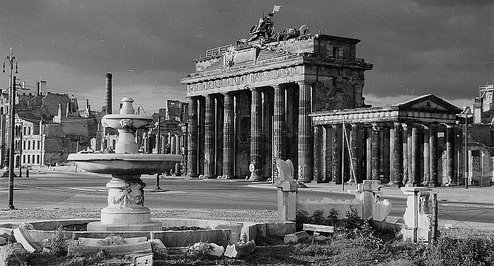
(279, 126)
(401, 154)
(171, 143)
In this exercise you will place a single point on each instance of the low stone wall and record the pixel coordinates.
(215, 231)
(326, 204)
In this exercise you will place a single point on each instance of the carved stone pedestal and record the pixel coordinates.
(125, 210)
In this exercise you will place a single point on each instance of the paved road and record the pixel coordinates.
(88, 190)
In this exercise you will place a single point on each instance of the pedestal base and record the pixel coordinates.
(150, 226)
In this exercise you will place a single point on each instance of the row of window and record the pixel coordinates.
(31, 158)
(26, 145)
(26, 130)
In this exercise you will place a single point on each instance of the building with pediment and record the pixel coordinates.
(414, 143)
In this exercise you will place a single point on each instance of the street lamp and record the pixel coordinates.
(465, 113)
(158, 150)
(11, 59)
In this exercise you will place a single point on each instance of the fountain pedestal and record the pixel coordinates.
(125, 210)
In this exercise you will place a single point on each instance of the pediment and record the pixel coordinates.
(429, 103)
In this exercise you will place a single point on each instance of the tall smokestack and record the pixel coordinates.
(109, 93)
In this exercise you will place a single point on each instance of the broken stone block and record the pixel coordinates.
(141, 259)
(159, 249)
(215, 250)
(13, 254)
(240, 250)
(210, 249)
(381, 209)
(296, 237)
(22, 236)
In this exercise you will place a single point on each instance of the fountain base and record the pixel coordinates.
(149, 226)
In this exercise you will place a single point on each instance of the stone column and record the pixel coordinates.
(396, 155)
(228, 137)
(173, 144)
(328, 152)
(355, 155)
(192, 171)
(405, 134)
(219, 125)
(279, 138)
(375, 152)
(427, 161)
(336, 148)
(318, 156)
(450, 154)
(208, 138)
(267, 133)
(256, 135)
(368, 154)
(410, 156)
(413, 178)
(305, 152)
(386, 154)
(433, 181)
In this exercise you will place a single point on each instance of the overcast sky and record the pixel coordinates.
(444, 47)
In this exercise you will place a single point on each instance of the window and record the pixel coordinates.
(39, 145)
(23, 158)
(32, 156)
(24, 130)
(34, 144)
(28, 145)
(28, 159)
(37, 158)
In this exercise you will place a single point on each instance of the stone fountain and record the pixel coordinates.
(125, 210)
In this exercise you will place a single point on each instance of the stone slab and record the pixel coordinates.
(318, 228)
(125, 249)
(189, 237)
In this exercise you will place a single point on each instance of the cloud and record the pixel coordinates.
(417, 46)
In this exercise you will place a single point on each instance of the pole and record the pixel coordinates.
(465, 155)
(158, 150)
(20, 150)
(343, 156)
(11, 143)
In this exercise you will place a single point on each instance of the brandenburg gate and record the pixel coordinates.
(251, 103)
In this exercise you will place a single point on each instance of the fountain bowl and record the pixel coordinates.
(125, 164)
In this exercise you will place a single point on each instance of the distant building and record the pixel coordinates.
(52, 119)
(483, 107)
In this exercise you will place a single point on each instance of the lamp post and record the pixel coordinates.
(158, 150)
(466, 112)
(11, 59)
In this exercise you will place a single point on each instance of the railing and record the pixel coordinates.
(217, 51)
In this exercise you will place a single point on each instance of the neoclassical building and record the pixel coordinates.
(414, 143)
(251, 102)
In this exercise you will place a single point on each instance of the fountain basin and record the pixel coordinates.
(118, 121)
(125, 164)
